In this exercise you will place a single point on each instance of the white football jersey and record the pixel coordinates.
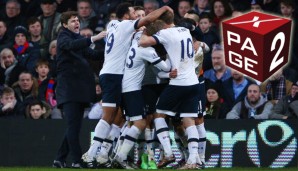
(178, 44)
(136, 60)
(117, 45)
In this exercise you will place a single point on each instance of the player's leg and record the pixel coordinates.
(111, 99)
(189, 111)
(134, 109)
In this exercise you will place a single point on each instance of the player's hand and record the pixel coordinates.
(99, 36)
(169, 9)
(173, 73)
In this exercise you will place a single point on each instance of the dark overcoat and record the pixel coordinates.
(75, 79)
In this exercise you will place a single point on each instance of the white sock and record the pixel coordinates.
(149, 137)
(108, 142)
(129, 141)
(102, 130)
(202, 141)
(193, 138)
(121, 139)
(163, 135)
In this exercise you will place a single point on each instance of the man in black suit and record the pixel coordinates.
(75, 83)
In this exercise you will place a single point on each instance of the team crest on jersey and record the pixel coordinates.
(154, 55)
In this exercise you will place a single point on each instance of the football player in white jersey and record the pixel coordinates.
(181, 96)
(118, 42)
(133, 101)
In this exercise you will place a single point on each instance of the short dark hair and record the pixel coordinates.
(205, 15)
(41, 62)
(6, 90)
(167, 17)
(35, 102)
(122, 9)
(33, 20)
(67, 15)
(290, 3)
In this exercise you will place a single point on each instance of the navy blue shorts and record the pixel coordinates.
(133, 104)
(111, 86)
(151, 94)
(179, 99)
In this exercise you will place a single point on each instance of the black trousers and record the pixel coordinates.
(73, 112)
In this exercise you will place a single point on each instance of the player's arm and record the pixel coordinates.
(146, 41)
(162, 65)
(153, 16)
(172, 74)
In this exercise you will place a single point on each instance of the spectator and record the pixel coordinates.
(287, 8)
(12, 17)
(38, 110)
(256, 5)
(220, 72)
(10, 68)
(46, 88)
(213, 104)
(26, 55)
(46, 91)
(52, 58)
(49, 18)
(30, 8)
(36, 37)
(5, 41)
(220, 10)
(8, 105)
(234, 90)
(210, 37)
(276, 87)
(287, 106)
(254, 105)
(87, 16)
(183, 7)
(150, 5)
(102, 9)
(26, 90)
(201, 6)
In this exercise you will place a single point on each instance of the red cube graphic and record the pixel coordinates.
(257, 44)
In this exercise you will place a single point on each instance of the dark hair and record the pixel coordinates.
(6, 90)
(35, 102)
(122, 9)
(290, 3)
(205, 15)
(41, 61)
(187, 23)
(67, 15)
(167, 17)
(227, 7)
(33, 20)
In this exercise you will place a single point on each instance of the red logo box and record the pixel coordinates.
(257, 44)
